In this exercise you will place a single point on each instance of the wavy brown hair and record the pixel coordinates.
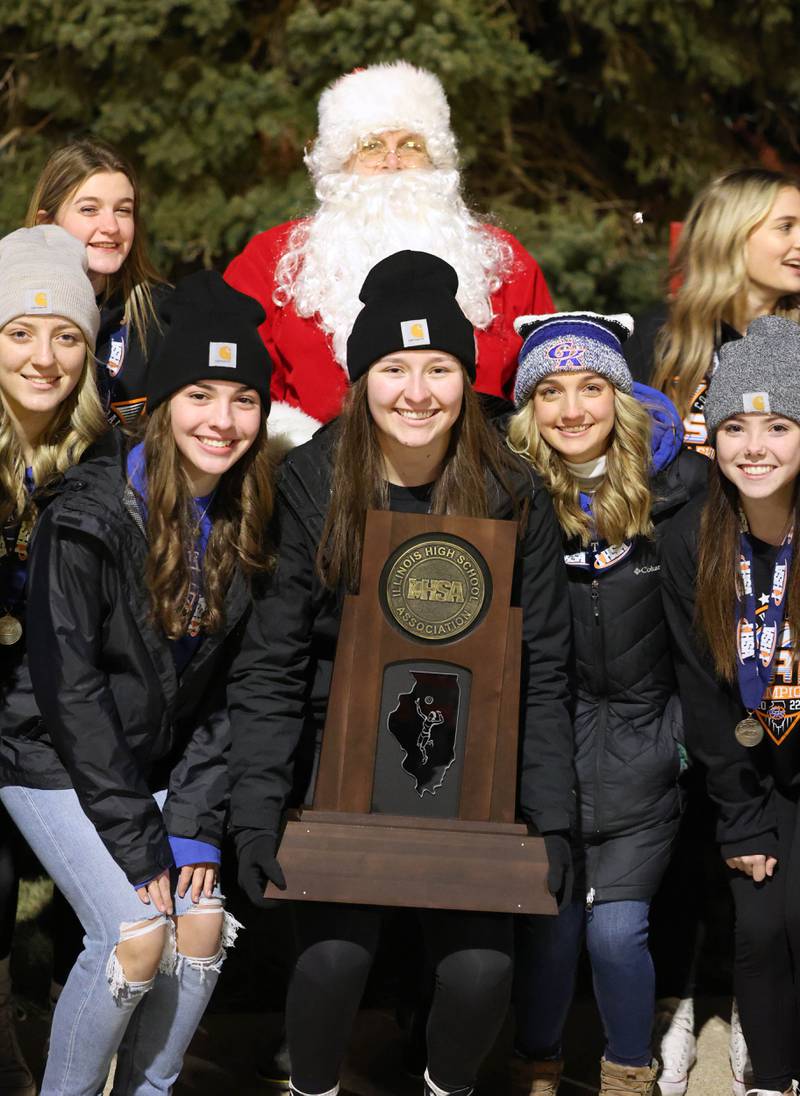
(359, 482)
(718, 585)
(710, 260)
(64, 172)
(240, 513)
(77, 423)
(621, 504)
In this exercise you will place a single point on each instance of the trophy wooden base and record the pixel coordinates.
(389, 860)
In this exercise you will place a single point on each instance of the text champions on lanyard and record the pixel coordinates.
(755, 665)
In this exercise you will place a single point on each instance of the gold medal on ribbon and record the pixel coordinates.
(749, 732)
(10, 630)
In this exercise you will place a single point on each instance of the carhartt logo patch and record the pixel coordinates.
(222, 355)
(415, 333)
(37, 301)
(755, 401)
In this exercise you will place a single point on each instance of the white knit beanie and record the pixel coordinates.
(397, 95)
(43, 272)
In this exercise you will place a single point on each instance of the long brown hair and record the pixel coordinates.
(718, 584)
(621, 505)
(711, 263)
(240, 513)
(359, 483)
(64, 172)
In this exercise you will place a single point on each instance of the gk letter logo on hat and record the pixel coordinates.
(37, 302)
(755, 401)
(568, 354)
(221, 355)
(415, 333)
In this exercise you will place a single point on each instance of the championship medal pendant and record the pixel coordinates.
(10, 630)
(749, 732)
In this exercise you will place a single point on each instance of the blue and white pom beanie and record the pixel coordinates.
(573, 342)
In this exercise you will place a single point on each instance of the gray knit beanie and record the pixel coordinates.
(760, 372)
(573, 342)
(43, 272)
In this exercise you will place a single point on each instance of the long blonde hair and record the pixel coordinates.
(621, 504)
(710, 261)
(64, 172)
(240, 513)
(79, 421)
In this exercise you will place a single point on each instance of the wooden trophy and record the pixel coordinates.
(416, 788)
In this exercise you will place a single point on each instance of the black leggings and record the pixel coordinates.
(767, 965)
(472, 957)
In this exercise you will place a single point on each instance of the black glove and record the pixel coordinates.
(561, 870)
(257, 865)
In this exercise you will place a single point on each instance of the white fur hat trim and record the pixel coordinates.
(397, 95)
(288, 426)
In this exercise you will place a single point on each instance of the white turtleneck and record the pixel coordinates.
(589, 474)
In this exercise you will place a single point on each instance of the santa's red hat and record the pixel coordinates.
(397, 95)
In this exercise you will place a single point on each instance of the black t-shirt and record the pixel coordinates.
(410, 500)
(779, 711)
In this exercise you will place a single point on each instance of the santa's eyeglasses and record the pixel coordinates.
(373, 150)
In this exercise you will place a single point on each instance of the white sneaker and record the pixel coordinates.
(769, 1091)
(741, 1066)
(678, 1046)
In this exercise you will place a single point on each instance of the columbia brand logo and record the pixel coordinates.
(37, 302)
(648, 569)
(415, 333)
(222, 355)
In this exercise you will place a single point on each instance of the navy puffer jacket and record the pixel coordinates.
(628, 722)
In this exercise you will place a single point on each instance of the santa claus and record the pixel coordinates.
(385, 171)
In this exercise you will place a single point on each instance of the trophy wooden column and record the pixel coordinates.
(424, 701)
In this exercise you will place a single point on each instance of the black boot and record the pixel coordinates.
(275, 1068)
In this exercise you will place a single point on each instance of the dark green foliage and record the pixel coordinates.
(571, 114)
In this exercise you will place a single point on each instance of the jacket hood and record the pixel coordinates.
(667, 426)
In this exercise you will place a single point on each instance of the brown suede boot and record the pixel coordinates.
(530, 1078)
(616, 1080)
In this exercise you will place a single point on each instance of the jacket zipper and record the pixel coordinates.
(601, 720)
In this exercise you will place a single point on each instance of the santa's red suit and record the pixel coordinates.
(306, 374)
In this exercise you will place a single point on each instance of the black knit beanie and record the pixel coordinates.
(212, 335)
(410, 304)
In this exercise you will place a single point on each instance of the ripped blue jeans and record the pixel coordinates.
(100, 1012)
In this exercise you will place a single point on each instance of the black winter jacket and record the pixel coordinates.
(627, 714)
(740, 780)
(123, 385)
(281, 678)
(109, 716)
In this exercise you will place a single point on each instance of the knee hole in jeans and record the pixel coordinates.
(134, 961)
(201, 937)
(199, 931)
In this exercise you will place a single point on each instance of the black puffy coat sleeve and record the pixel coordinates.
(711, 709)
(67, 604)
(547, 774)
(269, 680)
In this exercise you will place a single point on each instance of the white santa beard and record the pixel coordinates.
(361, 220)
